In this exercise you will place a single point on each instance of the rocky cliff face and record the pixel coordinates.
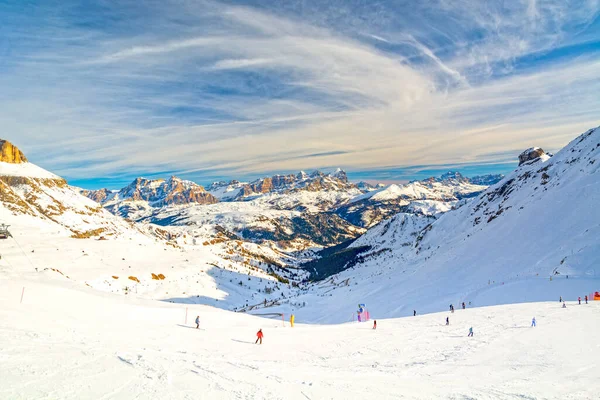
(99, 196)
(531, 154)
(153, 193)
(10, 153)
(173, 191)
(282, 184)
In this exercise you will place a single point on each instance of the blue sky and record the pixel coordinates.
(102, 91)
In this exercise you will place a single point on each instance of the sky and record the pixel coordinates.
(101, 92)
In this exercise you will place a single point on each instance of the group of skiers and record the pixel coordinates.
(560, 300)
(464, 306)
(260, 334)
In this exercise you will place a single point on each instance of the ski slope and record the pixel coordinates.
(516, 242)
(69, 342)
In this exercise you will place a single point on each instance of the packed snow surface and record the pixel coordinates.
(68, 342)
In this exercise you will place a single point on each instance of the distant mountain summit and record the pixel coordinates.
(143, 194)
(316, 181)
(428, 196)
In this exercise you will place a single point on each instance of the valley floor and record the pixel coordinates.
(66, 341)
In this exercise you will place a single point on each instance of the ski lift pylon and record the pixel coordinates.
(4, 233)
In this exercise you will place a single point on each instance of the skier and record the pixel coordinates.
(586, 299)
(451, 308)
(560, 300)
(579, 299)
(197, 322)
(374, 324)
(463, 305)
(564, 305)
(533, 322)
(470, 331)
(447, 320)
(414, 313)
(259, 336)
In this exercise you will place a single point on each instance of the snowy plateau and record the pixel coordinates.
(99, 290)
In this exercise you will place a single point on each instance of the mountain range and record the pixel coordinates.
(447, 239)
(538, 224)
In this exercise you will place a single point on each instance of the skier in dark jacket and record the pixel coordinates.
(197, 322)
(414, 313)
(447, 320)
(463, 305)
(586, 299)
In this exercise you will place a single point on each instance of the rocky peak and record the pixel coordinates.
(339, 174)
(216, 185)
(453, 175)
(159, 192)
(302, 175)
(531, 154)
(9, 153)
(99, 196)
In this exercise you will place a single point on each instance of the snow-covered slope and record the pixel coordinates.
(70, 343)
(50, 222)
(225, 191)
(516, 242)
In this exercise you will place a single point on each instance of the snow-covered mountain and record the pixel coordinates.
(50, 220)
(225, 191)
(317, 181)
(289, 211)
(143, 195)
(28, 190)
(430, 196)
(367, 187)
(295, 211)
(539, 224)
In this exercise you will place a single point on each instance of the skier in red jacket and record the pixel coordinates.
(259, 336)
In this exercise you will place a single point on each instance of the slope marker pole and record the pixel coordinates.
(22, 293)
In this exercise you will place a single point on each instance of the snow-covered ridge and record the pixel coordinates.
(26, 170)
(30, 191)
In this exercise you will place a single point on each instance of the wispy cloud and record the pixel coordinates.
(199, 86)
